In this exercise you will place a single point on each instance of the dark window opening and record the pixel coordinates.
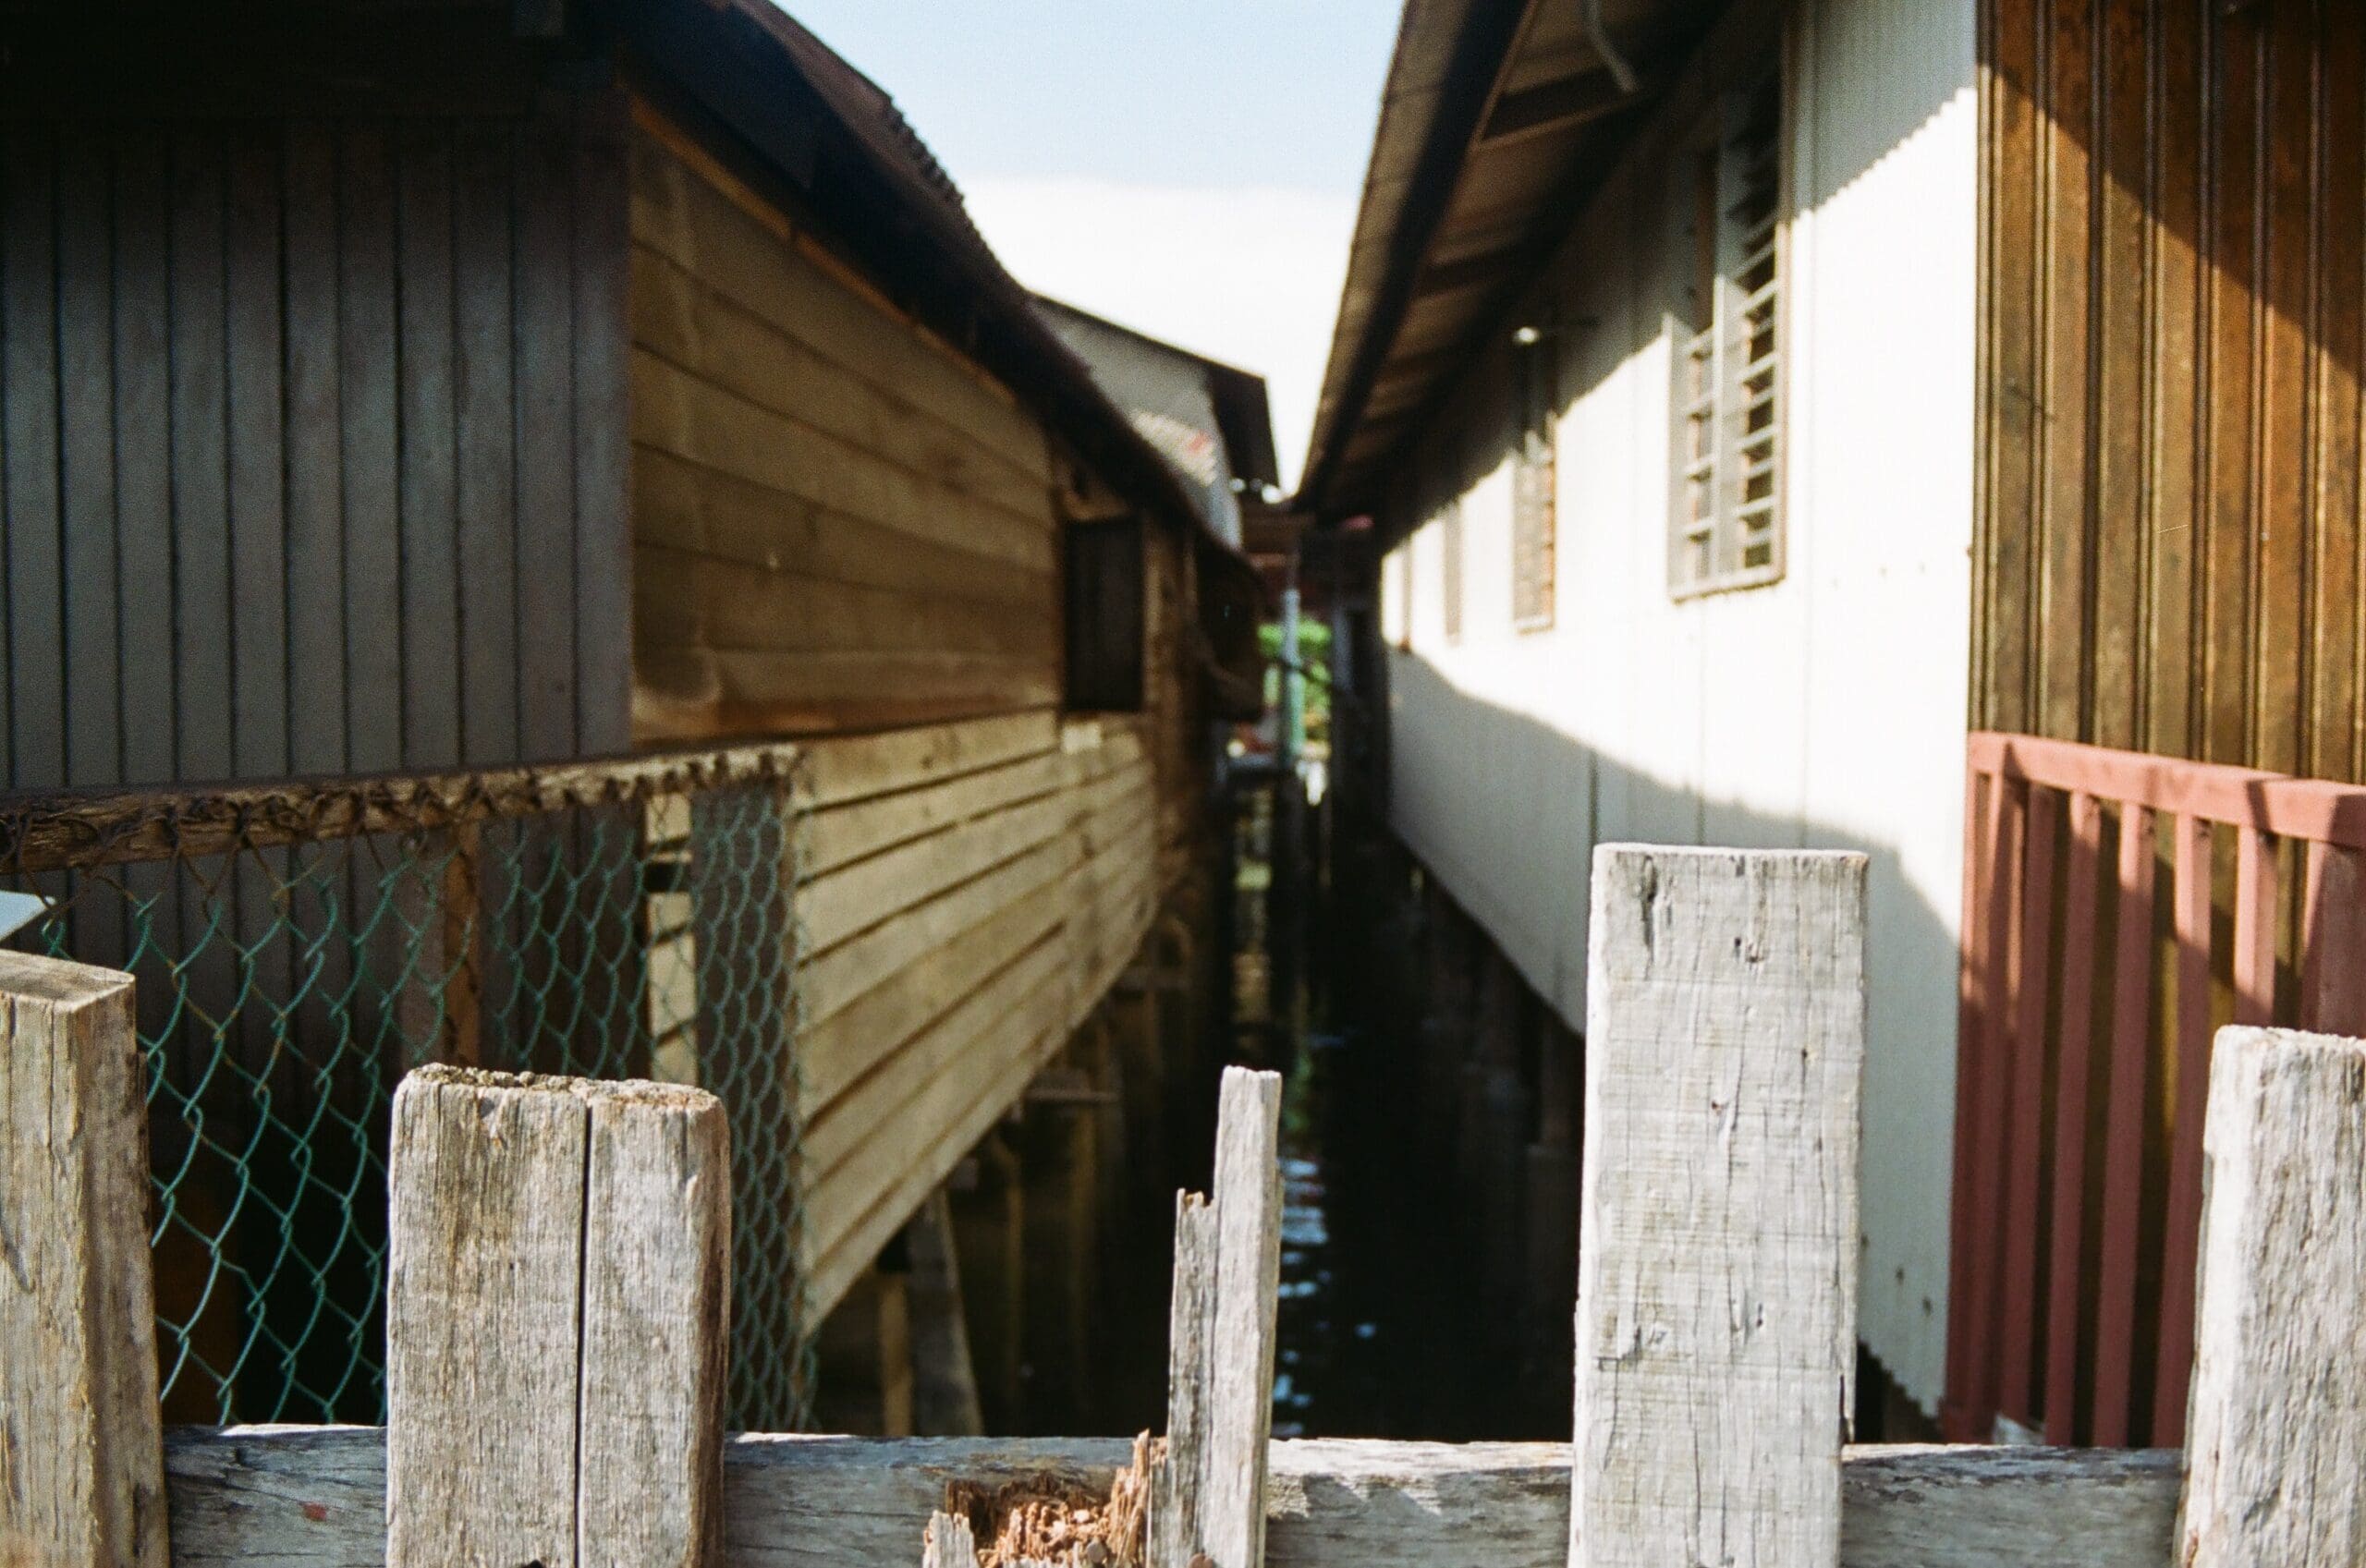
(1102, 580)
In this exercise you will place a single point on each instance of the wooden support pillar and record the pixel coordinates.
(1492, 1145)
(2278, 1424)
(1446, 1022)
(1718, 1284)
(989, 1202)
(944, 1382)
(1056, 1148)
(558, 1298)
(1550, 1200)
(865, 1377)
(1106, 1081)
(81, 1457)
(1138, 1047)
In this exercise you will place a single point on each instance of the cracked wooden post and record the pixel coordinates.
(81, 1455)
(555, 1322)
(1717, 1250)
(1208, 1504)
(2277, 1427)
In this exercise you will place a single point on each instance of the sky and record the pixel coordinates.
(1189, 170)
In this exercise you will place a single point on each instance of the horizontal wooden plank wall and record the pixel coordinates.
(837, 523)
(311, 445)
(974, 890)
(2176, 310)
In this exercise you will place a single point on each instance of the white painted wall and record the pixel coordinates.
(1828, 709)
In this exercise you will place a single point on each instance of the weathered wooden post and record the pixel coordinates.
(989, 1232)
(944, 1378)
(1717, 1252)
(81, 1458)
(1208, 1499)
(2276, 1439)
(555, 1322)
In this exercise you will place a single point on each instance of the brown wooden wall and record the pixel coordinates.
(2174, 205)
(837, 523)
(311, 445)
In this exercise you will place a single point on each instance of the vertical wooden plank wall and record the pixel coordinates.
(2174, 208)
(309, 432)
(2176, 212)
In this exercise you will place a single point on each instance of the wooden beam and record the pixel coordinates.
(1563, 104)
(2276, 1425)
(1717, 1243)
(316, 1496)
(555, 1321)
(1468, 271)
(81, 1467)
(56, 832)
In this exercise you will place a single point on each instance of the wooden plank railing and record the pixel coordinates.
(2088, 994)
(558, 1292)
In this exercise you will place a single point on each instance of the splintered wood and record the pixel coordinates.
(1717, 1270)
(1209, 1501)
(1049, 1520)
(555, 1322)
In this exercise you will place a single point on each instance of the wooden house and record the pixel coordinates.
(1760, 406)
(456, 386)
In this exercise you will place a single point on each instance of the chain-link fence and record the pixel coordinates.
(298, 947)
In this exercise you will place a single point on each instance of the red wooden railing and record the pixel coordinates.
(2088, 999)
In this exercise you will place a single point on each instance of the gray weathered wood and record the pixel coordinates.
(482, 1295)
(1220, 1388)
(544, 314)
(656, 1319)
(1717, 1273)
(312, 1497)
(82, 1469)
(370, 401)
(1175, 1499)
(950, 1543)
(555, 1322)
(2277, 1433)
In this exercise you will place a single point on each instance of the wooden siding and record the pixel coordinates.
(837, 524)
(974, 890)
(2175, 208)
(311, 445)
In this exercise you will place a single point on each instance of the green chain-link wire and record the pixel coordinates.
(284, 991)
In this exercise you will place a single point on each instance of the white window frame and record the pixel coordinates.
(1730, 384)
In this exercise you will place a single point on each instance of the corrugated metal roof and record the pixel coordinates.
(1498, 120)
(777, 88)
(1208, 419)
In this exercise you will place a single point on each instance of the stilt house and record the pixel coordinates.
(1931, 430)
(446, 449)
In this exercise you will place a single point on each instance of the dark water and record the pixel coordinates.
(1383, 1330)
(1372, 1330)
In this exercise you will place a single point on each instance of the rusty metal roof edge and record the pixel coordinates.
(1395, 225)
(1021, 349)
(1240, 395)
